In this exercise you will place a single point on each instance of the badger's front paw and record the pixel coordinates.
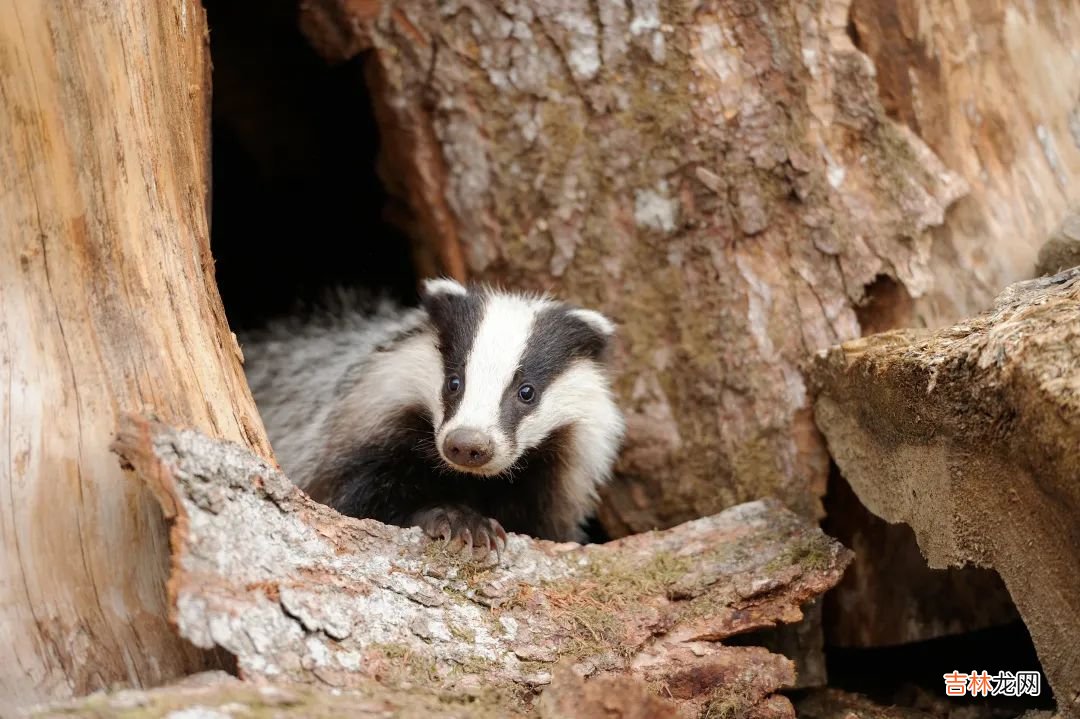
(464, 529)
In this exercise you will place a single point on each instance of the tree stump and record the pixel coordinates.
(107, 304)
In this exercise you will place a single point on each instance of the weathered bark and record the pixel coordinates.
(107, 304)
(297, 592)
(993, 88)
(971, 435)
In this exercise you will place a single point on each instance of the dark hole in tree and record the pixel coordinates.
(913, 674)
(886, 305)
(297, 206)
(900, 670)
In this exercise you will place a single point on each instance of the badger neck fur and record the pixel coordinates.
(478, 411)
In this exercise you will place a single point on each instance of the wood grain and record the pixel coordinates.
(107, 304)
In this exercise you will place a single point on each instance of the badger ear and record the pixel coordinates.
(437, 286)
(441, 298)
(595, 333)
(596, 321)
(451, 308)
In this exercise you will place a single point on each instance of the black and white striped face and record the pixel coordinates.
(515, 370)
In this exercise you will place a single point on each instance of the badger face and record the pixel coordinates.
(516, 369)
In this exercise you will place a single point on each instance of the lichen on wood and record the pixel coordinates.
(298, 593)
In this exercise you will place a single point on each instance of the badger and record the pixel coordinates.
(479, 412)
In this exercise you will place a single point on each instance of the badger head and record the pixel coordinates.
(516, 370)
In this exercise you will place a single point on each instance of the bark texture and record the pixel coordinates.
(993, 87)
(720, 177)
(297, 592)
(971, 435)
(107, 304)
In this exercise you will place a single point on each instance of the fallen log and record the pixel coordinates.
(971, 435)
(298, 593)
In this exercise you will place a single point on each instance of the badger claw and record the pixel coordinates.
(465, 530)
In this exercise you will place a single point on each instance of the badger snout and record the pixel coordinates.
(468, 448)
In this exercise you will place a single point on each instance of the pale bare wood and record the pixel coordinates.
(107, 303)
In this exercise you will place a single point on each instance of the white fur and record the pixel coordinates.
(579, 398)
(410, 376)
(295, 371)
(493, 360)
(443, 286)
(594, 319)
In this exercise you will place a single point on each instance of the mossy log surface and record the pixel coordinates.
(971, 435)
(299, 593)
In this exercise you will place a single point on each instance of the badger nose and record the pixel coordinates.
(468, 447)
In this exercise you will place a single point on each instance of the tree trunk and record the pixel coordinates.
(993, 87)
(107, 304)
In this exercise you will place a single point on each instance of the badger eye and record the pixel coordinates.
(453, 383)
(526, 393)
